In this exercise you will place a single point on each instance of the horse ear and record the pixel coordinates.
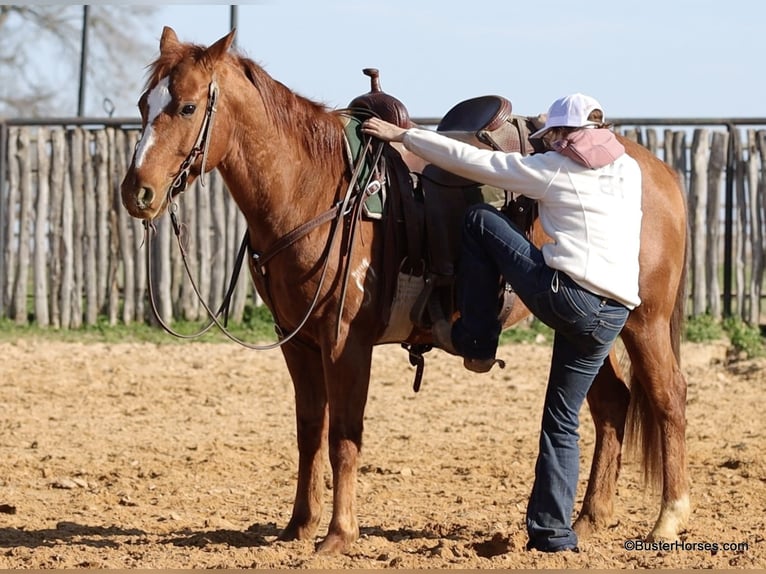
(168, 40)
(217, 50)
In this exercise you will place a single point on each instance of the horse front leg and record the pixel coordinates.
(608, 401)
(305, 366)
(348, 377)
(658, 410)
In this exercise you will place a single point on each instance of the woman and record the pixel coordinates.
(583, 284)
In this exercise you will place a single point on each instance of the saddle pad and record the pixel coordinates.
(373, 205)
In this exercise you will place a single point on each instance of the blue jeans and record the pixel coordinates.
(586, 325)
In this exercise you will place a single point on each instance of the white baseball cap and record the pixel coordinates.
(569, 112)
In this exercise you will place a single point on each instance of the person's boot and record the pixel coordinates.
(442, 333)
(482, 365)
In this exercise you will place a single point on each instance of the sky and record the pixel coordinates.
(648, 58)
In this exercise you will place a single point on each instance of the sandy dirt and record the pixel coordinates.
(183, 456)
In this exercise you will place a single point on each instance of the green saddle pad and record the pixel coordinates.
(373, 205)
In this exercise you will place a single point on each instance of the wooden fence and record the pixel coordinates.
(71, 255)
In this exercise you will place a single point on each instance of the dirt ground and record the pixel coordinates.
(183, 456)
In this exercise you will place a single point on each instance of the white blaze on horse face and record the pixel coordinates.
(157, 101)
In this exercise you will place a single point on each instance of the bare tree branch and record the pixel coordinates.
(40, 55)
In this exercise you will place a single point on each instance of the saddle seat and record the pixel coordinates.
(476, 114)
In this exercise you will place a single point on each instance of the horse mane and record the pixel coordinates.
(313, 124)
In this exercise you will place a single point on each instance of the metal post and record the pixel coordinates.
(83, 59)
(233, 19)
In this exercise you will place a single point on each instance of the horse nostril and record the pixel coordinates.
(144, 197)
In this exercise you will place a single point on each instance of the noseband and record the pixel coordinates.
(201, 145)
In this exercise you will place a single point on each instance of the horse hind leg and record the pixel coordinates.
(608, 401)
(657, 426)
(305, 367)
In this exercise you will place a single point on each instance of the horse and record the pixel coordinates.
(283, 159)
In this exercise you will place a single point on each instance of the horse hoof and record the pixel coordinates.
(587, 525)
(584, 527)
(296, 532)
(673, 518)
(334, 544)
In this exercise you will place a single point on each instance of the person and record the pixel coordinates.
(582, 284)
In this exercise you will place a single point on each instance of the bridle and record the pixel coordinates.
(201, 145)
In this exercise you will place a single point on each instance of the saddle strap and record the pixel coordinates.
(260, 259)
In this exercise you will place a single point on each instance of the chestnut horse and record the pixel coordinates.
(283, 159)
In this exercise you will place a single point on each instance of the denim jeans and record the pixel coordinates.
(586, 325)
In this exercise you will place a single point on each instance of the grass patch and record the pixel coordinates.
(533, 331)
(703, 329)
(257, 327)
(744, 338)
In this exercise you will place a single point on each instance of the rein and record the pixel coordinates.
(225, 304)
(348, 205)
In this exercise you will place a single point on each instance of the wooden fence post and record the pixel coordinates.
(204, 249)
(718, 149)
(25, 219)
(184, 292)
(112, 246)
(124, 231)
(42, 217)
(755, 222)
(56, 257)
(78, 169)
(761, 189)
(651, 140)
(698, 187)
(740, 228)
(218, 253)
(10, 253)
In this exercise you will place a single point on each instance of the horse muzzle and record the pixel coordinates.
(140, 198)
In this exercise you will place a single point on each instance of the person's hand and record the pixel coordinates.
(383, 130)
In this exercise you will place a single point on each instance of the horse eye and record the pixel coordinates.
(188, 109)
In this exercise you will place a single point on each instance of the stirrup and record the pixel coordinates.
(482, 365)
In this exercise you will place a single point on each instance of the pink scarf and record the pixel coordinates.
(593, 148)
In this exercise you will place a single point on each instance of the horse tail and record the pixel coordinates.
(643, 435)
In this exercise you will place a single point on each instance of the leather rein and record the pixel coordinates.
(350, 204)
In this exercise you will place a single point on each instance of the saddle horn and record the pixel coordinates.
(383, 105)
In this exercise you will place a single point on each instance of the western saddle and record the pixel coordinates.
(425, 206)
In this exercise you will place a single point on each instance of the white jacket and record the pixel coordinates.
(592, 215)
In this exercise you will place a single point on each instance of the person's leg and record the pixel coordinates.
(549, 514)
(492, 247)
(579, 350)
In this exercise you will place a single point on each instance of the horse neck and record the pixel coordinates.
(277, 176)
